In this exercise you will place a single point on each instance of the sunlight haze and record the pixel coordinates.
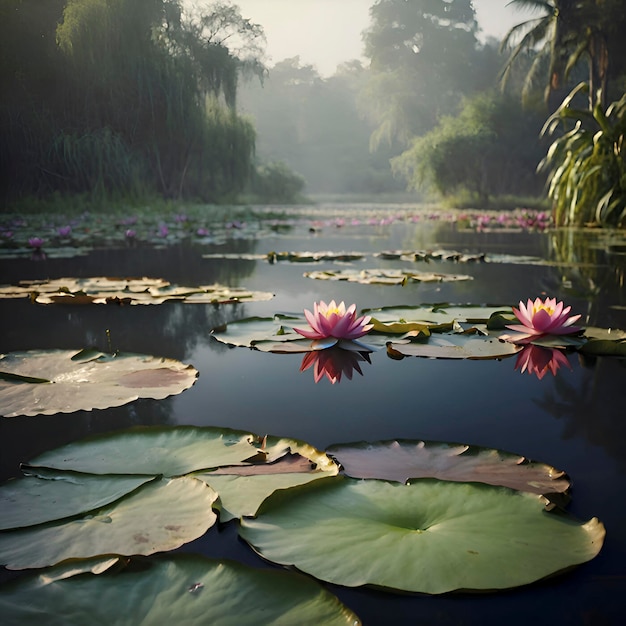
(325, 33)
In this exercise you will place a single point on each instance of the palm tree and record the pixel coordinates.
(566, 32)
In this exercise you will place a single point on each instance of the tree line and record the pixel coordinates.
(125, 98)
(133, 98)
(435, 108)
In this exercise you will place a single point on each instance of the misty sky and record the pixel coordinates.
(325, 33)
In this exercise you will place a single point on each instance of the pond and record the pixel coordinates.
(572, 420)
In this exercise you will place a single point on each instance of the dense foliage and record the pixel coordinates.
(587, 165)
(579, 40)
(124, 97)
(483, 150)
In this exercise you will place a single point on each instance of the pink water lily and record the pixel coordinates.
(539, 361)
(543, 317)
(334, 320)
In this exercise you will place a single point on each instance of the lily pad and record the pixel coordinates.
(439, 314)
(183, 589)
(455, 346)
(162, 515)
(70, 380)
(249, 331)
(291, 257)
(242, 488)
(428, 536)
(401, 460)
(55, 495)
(276, 334)
(167, 451)
(180, 450)
(385, 276)
(132, 291)
(430, 255)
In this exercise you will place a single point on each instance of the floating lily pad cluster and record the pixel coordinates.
(131, 291)
(81, 508)
(386, 276)
(426, 256)
(434, 331)
(441, 516)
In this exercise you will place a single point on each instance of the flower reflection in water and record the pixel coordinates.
(334, 363)
(539, 360)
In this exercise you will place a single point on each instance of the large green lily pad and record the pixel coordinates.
(428, 536)
(111, 290)
(162, 515)
(63, 381)
(55, 495)
(155, 450)
(401, 460)
(183, 589)
(179, 450)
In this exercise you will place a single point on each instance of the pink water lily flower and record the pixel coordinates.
(334, 320)
(543, 317)
(539, 361)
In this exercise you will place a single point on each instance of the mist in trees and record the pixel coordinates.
(124, 98)
(142, 98)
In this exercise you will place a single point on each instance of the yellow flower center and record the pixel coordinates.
(548, 309)
(329, 312)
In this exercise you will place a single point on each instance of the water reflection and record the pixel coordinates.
(539, 360)
(334, 363)
(593, 406)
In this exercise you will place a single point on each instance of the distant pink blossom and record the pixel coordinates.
(334, 320)
(64, 231)
(36, 242)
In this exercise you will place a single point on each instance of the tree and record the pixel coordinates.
(422, 55)
(142, 101)
(312, 124)
(484, 151)
(565, 33)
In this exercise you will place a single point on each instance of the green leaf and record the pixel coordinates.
(604, 347)
(162, 515)
(429, 536)
(183, 589)
(168, 451)
(289, 463)
(85, 380)
(458, 346)
(50, 496)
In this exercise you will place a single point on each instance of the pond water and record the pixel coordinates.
(573, 420)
